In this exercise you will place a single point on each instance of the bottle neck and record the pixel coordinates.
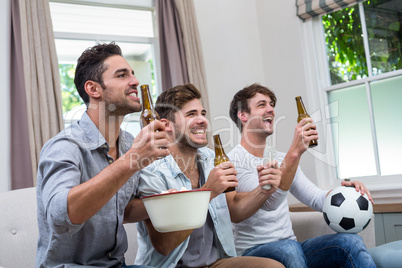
(300, 106)
(218, 146)
(146, 99)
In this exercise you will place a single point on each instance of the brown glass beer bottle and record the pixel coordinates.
(303, 114)
(220, 156)
(148, 113)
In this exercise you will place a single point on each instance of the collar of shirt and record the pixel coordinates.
(91, 138)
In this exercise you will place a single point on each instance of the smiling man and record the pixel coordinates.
(268, 233)
(86, 173)
(191, 165)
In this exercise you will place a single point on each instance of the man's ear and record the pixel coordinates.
(243, 116)
(93, 89)
(168, 124)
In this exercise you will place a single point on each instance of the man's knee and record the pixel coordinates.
(345, 239)
(292, 248)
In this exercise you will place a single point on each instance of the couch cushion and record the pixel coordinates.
(309, 224)
(18, 228)
(388, 255)
(131, 229)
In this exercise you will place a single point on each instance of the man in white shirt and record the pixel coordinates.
(268, 233)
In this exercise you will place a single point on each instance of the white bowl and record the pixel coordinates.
(177, 211)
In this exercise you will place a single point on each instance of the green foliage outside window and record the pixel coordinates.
(345, 48)
(384, 27)
(69, 94)
(344, 40)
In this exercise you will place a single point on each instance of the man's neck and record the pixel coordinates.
(254, 144)
(185, 158)
(108, 126)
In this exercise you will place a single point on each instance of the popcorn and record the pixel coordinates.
(181, 189)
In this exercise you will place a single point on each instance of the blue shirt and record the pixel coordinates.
(165, 174)
(74, 156)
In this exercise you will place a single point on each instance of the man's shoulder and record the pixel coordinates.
(163, 165)
(240, 156)
(236, 151)
(67, 138)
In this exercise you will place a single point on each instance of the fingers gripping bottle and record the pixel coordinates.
(148, 113)
(220, 156)
(303, 114)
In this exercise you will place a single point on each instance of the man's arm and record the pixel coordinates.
(243, 205)
(135, 211)
(164, 243)
(305, 131)
(86, 199)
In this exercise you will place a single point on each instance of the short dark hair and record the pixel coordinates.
(173, 99)
(240, 101)
(90, 66)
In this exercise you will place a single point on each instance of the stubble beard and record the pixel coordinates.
(184, 142)
(121, 107)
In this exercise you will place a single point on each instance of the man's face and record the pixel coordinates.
(120, 93)
(190, 125)
(260, 120)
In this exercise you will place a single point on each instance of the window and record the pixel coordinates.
(363, 87)
(78, 25)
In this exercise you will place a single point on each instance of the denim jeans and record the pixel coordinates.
(333, 250)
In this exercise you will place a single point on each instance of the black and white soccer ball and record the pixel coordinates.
(347, 211)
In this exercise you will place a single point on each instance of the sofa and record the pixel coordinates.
(19, 229)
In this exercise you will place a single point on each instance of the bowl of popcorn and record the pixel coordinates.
(178, 210)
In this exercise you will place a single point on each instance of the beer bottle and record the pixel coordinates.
(303, 114)
(148, 113)
(220, 156)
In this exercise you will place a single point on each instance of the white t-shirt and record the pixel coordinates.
(272, 221)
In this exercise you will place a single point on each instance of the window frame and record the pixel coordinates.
(384, 187)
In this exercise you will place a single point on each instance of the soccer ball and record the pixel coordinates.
(347, 211)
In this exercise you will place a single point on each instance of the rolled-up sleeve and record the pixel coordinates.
(150, 182)
(58, 172)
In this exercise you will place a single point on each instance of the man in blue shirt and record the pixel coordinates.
(191, 165)
(86, 173)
